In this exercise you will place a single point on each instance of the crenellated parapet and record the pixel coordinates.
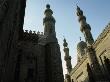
(33, 32)
(32, 36)
(104, 33)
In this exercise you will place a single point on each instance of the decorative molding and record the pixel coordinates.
(102, 36)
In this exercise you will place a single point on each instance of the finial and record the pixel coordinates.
(38, 32)
(78, 8)
(80, 38)
(65, 44)
(48, 6)
(79, 11)
(64, 40)
(34, 32)
(26, 31)
(30, 32)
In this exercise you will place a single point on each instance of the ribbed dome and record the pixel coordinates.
(81, 48)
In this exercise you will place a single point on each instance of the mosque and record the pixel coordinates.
(27, 56)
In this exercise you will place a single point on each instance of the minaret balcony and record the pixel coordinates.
(46, 19)
(81, 18)
(66, 49)
(80, 12)
(85, 27)
(67, 58)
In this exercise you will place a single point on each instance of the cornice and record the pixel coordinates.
(102, 36)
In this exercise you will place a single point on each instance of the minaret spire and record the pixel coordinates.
(49, 22)
(67, 57)
(85, 27)
(49, 28)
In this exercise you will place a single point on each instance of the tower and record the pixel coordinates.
(54, 72)
(85, 27)
(67, 58)
(49, 27)
(49, 22)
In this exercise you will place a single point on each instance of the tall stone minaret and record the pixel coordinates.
(49, 22)
(67, 57)
(85, 27)
(53, 63)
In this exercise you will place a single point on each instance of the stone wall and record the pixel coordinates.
(79, 73)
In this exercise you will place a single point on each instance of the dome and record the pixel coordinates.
(81, 48)
(82, 44)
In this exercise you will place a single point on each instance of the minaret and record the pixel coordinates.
(67, 57)
(53, 63)
(85, 27)
(49, 22)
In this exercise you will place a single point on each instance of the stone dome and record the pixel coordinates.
(81, 48)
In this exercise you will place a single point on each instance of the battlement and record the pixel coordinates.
(32, 36)
(33, 32)
(102, 35)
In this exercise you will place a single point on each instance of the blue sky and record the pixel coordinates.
(97, 13)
